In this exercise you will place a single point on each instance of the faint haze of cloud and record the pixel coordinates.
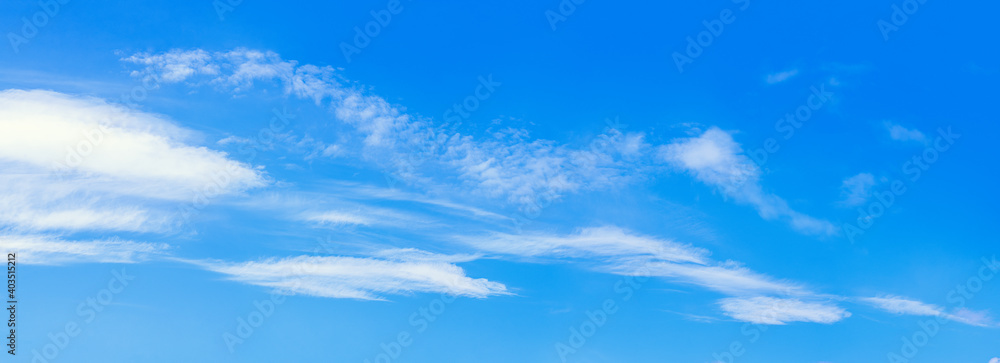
(358, 277)
(854, 191)
(49, 250)
(717, 160)
(906, 306)
(901, 305)
(781, 76)
(589, 242)
(336, 217)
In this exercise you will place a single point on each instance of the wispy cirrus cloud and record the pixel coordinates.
(775, 311)
(339, 218)
(905, 306)
(50, 250)
(717, 160)
(614, 250)
(901, 305)
(601, 242)
(400, 272)
(509, 165)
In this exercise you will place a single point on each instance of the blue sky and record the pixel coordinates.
(722, 181)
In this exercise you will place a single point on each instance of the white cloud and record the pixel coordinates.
(175, 66)
(905, 306)
(509, 166)
(854, 191)
(50, 130)
(714, 158)
(80, 163)
(31, 202)
(728, 277)
(614, 250)
(972, 317)
(368, 192)
(357, 278)
(901, 305)
(781, 76)
(46, 250)
(233, 140)
(339, 218)
(414, 255)
(775, 311)
(995, 360)
(600, 242)
(900, 133)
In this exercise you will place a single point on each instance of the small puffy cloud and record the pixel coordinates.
(717, 160)
(900, 133)
(775, 311)
(854, 191)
